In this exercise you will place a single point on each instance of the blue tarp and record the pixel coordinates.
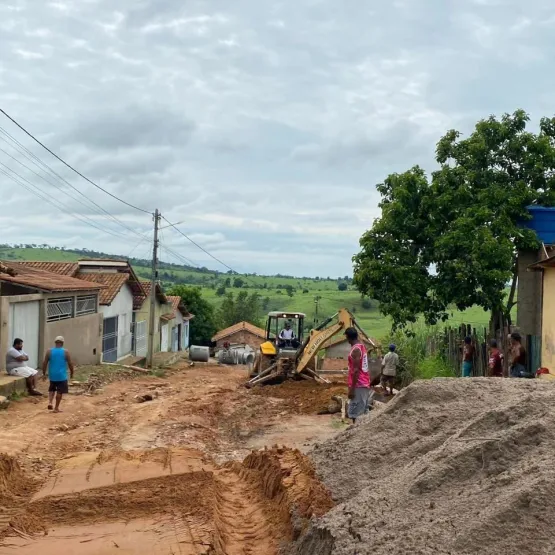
(543, 223)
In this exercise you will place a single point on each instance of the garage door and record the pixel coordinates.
(110, 340)
(25, 324)
(165, 340)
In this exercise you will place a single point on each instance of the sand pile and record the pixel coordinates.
(450, 466)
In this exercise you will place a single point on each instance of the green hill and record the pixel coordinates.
(276, 292)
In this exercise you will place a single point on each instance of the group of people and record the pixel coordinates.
(56, 364)
(517, 358)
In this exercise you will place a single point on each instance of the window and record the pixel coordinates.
(59, 309)
(86, 304)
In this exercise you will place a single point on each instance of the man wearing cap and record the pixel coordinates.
(389, 369)
(56, 362)
(359, 376)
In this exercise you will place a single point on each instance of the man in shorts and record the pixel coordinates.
(389, 369)
(56, 362)
(495, 362)
(17, 365)
(359, 376)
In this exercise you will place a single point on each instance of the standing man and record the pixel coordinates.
(518, 358)
(389, 369)
(16, 359)
(495, 362)
(468, 358)
(359, 377)
(57, 361)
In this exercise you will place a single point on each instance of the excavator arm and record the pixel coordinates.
(320, 338)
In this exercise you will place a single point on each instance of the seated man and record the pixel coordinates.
(16, 358)
(287, 337)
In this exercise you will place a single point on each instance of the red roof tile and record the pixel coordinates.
(239, 327)
(46, 281)
(113, 282)
(60, 268)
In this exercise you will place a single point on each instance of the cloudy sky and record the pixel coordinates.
(262, 126)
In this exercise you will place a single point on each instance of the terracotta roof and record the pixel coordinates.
(147, 285)
(547, 263)
(240, 327)
(113, 282)
(60, 268)
(6, 270)
(46, 281)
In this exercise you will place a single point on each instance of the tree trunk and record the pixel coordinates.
(511, 299)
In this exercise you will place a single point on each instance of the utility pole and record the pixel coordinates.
(316, 301)
(153, 282)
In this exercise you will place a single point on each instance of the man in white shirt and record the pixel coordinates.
(389, 369)
(286, 335)
(16, 359)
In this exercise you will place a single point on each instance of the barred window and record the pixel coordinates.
(86, 304)
(59, 309)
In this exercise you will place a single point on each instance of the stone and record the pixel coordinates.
(4, 402)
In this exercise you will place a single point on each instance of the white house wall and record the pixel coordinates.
(122, 307)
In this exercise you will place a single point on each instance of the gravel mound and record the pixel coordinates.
(451, 466)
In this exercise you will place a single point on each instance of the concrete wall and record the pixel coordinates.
(548, 319)
(529, 300)
(83, 334)
(83, 337)
(122, 307)
(144, 314)
(242, 337)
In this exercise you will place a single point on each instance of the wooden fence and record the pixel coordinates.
(450, 345)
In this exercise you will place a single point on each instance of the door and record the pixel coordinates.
(179, 337)
(25, 325)
(140, 339)
(110, 340)
(175, 345)
(165, 340)
(185, 342)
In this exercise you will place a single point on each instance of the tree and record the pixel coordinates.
(290, 290)
(342, 286)
(227, 282)
(220, 291)
(203, 326)
(244, 307)
(452, 240)
(238, 282)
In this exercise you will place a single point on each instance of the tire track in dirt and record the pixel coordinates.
(241, 525)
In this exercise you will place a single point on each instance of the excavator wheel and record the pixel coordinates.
(261, 363)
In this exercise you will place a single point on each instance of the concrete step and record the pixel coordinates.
(11, 384)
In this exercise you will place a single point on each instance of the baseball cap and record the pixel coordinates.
(59, 339)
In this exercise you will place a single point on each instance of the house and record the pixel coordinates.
(177, 322)
(121, 296)
(162, 307)
(242, 333)
(37, 306)
(529, 291)
(545, 269)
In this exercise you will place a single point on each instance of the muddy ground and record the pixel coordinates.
(171, 475)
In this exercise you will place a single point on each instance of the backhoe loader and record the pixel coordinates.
(295, 356)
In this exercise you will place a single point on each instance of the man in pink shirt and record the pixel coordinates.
(359, 377)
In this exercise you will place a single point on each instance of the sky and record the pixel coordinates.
(261, 128)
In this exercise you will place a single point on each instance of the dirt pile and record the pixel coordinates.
(450, 466)
(303, 396)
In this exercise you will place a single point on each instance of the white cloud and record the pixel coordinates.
(263, 127)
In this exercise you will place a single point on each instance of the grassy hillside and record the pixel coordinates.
(272, 289)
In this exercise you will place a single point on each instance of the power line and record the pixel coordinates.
(33, 189)
(71, 167)
(29, 155)
(198, 246)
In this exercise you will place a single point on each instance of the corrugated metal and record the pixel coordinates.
(543, 223)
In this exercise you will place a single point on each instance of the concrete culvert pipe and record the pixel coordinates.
(199, 354)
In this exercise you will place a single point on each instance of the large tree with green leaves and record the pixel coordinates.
(452, 240)
(203, 326)
(243, 308)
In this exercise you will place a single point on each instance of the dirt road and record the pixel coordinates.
(166, 476)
